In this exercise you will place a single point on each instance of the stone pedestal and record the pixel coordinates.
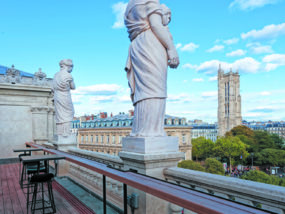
(64, 143)
(150, 156)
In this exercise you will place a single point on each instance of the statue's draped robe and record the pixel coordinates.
(64, 110)
(146, 69)
(147, 62)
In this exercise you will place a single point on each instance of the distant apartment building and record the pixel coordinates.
(229, 101)
(104, 134)
(276, 127)
(202, 129)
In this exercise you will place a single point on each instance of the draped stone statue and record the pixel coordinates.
(150, 53)
(64, 111)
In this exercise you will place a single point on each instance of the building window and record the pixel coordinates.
(120, 139)
(86, 139)
(108, 138)
(91, 138)
(82, 138)
(96, 138)
(102, 138)
(183, 138)
(113, 139)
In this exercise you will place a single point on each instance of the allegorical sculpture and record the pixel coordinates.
(150, 53)
(64, 111)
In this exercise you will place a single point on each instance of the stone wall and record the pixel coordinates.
(26, 113)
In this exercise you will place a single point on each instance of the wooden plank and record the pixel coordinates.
(13, 193)
(20, 194)
(1, 189)
(8, 207)
(13, 199)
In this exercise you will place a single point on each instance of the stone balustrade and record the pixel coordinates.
(94, 181)
(114, 161)
(265, 196)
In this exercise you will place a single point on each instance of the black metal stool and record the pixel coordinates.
(20, 168)
(38, 181)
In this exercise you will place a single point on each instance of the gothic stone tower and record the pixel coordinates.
(229, 107)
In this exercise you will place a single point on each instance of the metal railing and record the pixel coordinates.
(189, 199)
(268, 197)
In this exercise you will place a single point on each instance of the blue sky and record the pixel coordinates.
(248, 35)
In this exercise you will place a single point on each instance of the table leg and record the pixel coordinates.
(56, 167)
(21, 181)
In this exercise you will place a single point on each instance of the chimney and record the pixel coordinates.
(131, 113)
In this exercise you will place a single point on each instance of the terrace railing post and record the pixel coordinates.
(104, 195)
(125, 199)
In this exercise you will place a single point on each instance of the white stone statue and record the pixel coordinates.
(64, 111)
(151, 52)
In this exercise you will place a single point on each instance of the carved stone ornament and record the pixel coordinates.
(12, 75)
(39, 78)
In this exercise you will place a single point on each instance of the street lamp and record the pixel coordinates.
(252, 154)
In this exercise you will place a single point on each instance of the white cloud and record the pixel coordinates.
(257, 48)
(244, 65)
(211, 67)
(189, 66)
(103, 97)
(238, 52)
(180, 98)
(208, 94)
(119, 10)
(216, 48)
(268, 32)
(265, 93)
(275, 58)
(189, 47)
(198, 80)
(251, 4)
(271, 66)
(178, 45)
(273, 61)
(214, 78)
(231, 41)
(100, 89)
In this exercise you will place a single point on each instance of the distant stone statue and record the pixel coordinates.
(64, 111)
(151, 52)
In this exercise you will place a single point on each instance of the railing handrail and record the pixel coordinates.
(189, 199)
(247, 188)
(97, 155)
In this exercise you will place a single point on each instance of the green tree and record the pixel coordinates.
(189, 164)
(230, 147)
(202, 148)
(278, 141)
(262, 177)
(241, 130)
(264, 141)
(271, 157)
(214, 166)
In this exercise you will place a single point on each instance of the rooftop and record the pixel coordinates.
(3, 70)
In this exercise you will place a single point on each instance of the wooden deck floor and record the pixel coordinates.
(13, 199)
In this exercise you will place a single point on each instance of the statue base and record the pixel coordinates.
(150, 156)
(63, 143)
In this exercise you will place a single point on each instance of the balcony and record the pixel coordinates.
(89, 182)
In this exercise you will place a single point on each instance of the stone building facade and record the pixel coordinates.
(208, 131)
(105, 135)
(229, 101)
(26, 109)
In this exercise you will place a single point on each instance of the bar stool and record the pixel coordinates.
(38, 181)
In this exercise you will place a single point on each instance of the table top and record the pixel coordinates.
(36, 158)
(27, 150)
